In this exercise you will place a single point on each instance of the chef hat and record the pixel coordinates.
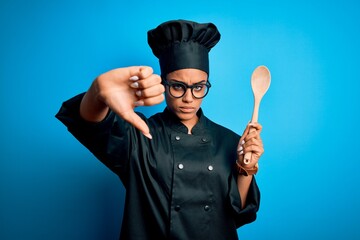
(183, 44)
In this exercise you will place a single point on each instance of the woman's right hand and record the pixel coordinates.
(122, 90)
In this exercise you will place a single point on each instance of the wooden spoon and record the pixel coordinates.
(260, 83)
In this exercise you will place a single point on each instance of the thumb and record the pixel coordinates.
(134, 119)
(246, 132)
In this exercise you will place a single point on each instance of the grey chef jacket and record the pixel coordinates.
(178, 186)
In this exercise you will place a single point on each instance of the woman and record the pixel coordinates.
(184, 174)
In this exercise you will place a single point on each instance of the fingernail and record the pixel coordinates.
(148, 135)
(242, 142)
(134, 85)
(241, 152)
(138, 93)
(134, 78)
(240, 148)
(139, 103)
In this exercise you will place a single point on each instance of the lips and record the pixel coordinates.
(187, 109)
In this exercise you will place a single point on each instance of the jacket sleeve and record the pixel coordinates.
(109, 140)
(248, 213)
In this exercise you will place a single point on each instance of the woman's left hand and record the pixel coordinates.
(250, 141)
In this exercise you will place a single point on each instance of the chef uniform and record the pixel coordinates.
(178, 185)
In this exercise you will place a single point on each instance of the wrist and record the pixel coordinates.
(241, 170)
(91, 107)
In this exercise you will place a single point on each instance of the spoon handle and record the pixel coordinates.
(248, 155)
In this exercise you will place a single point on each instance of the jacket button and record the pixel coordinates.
(210, 168)
(204, 139)
(177, 208)
(177, 138)
(206, 208)
(180, 166)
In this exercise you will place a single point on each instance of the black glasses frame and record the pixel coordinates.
(185, 86)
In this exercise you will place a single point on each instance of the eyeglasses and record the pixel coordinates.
(178, 89)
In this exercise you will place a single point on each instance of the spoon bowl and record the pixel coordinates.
(260, 81)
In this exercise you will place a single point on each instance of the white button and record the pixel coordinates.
(177, 138)
(210, 168)
(180, 166)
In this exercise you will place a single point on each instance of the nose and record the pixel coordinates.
(188, 97)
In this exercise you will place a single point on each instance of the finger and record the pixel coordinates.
(150, 101)
(241, 143)
(243, 136)
(151, 92)
(253, 142)
(150, 81)
(245, 133)
(127, 72)
(242, 139)
(251, 135)
(134, 119)
(139, 71)
(256, 150)
(145, 72)
(255, 130)
(253, 148)
(241, 158)
(153, 100)
(256, 125)
(255, 153)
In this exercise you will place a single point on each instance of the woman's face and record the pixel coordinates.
(186, 106)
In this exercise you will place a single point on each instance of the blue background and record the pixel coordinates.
(53, 188)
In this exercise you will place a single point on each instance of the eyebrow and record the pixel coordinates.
(177, 81)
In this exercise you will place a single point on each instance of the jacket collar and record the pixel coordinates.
(172, 121)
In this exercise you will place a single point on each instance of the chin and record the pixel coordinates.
(185, 116)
